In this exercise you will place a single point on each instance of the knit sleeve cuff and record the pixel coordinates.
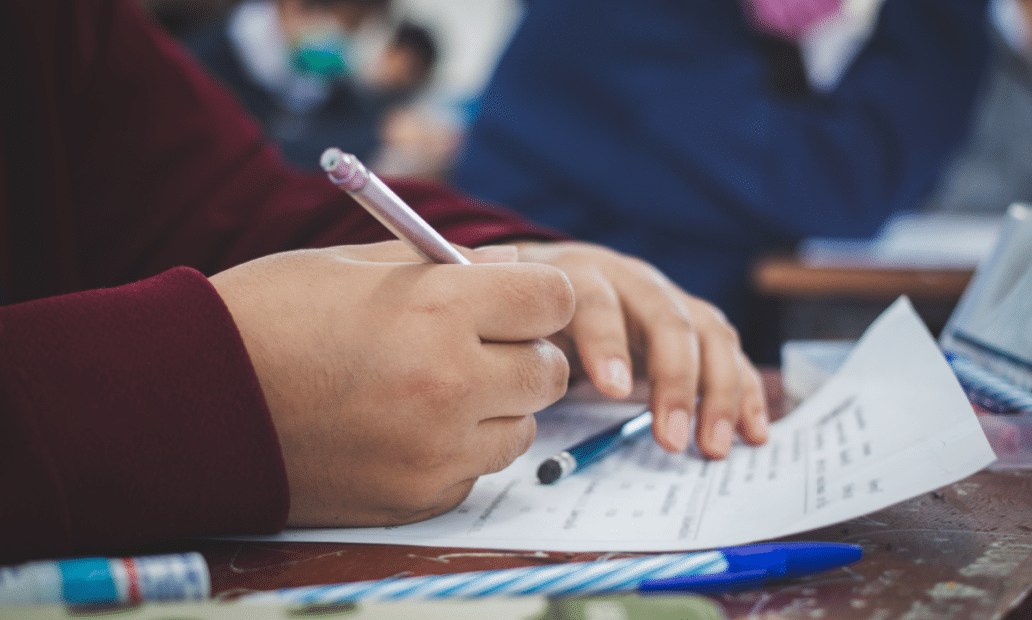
(133, 415)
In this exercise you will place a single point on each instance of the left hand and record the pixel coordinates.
(627, 310)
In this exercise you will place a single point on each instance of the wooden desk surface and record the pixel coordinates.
(841, 301)
(786, 276)
(962, 552)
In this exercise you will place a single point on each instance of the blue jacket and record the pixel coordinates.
(651, 126)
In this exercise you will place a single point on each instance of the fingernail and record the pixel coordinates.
(761, 425)
(678, 429)
(618, 375)
(497, 254)
(721, 437)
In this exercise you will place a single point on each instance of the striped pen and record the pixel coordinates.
(709, 571)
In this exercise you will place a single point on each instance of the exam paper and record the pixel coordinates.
(891, 424)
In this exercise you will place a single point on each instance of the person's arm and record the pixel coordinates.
(161, 344)
(131, 415)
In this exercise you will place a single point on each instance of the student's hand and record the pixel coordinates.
(626, 309)
(394, 385)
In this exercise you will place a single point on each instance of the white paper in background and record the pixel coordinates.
(892, 424)
(933, 240)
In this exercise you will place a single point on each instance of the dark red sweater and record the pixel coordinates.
(132, 414)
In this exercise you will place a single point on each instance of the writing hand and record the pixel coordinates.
(627, 309)
(394, 385)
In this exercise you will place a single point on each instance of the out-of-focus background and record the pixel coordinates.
(420, 137)
(401, 82)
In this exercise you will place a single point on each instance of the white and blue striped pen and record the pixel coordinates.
(707, 571)
(571, 578)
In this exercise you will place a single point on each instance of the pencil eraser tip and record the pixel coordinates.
(549, 472)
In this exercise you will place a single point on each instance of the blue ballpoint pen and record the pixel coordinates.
(592, 448)
(752, 566)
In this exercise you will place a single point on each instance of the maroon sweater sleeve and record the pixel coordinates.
(129, 411)
(137, 438)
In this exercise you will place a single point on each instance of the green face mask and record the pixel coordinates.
(325, 54)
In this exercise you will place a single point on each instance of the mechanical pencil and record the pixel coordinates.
(593, 448)
(730, 568)
(104, 581)
(349, 174)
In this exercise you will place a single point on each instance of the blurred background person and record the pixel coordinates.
(416, 137)
(993, 167)
(179, 17)
(318, 73)
(688, 133)
(404, 66)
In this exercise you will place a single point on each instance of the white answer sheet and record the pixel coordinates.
(891, 424)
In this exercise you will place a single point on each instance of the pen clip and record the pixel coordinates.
(707, 584)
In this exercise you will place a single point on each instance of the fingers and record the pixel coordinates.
(633, 292)
(673, 374)
(599, 330)
(693, 357)
(501, 441)
(720, 387)
(753, 424)
(672, 353)
(520, 378)
(516, 302)
(394, 384)
(730, 389)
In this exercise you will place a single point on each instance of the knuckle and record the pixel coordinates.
(721, 400)
(436, 452)
(429, 500)
(544, 289)
(717, 323)
(514, 444)
(597, 299)
(553, 285)
(564, 295)
(646, 268)
(439, 306)
(667, 317)
(438, 385)
(531, 377)
(412, 512)
(543, 373)
(681, 382)
(437, 297)
(726, 331)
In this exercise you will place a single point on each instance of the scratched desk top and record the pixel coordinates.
(962, 552)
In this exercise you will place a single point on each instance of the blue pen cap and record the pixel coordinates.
(791, 559)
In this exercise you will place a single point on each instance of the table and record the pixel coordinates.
(840, 301)
(962, 552)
